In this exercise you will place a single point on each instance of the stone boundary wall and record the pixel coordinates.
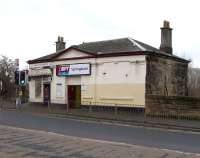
(178, 105)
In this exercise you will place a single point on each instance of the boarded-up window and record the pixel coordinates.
(58, 90)
(38, 88)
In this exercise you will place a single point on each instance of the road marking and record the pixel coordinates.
(94, 140)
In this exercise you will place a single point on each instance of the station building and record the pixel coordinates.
(112, 72)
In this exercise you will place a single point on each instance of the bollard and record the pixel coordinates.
(67, 107)
(48, 103)
(90, 107)
(116, 109)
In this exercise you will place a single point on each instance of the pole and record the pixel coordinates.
(19, 100)
(18, 86)
(19, 77)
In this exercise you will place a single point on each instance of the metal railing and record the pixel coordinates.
(104, 110)
(112, 107)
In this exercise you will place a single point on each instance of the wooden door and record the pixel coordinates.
(46, 94)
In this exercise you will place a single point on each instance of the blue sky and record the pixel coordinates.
(29, 28)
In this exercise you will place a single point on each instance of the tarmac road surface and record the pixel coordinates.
(148, 137)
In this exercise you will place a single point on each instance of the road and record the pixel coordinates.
(148, 137)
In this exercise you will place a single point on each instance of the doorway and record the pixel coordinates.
(74, 96)
(46, 92)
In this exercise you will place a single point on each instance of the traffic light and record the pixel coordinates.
(22, 78)
(17, 77)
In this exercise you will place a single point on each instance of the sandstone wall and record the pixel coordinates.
(166, 76)
(178, 105)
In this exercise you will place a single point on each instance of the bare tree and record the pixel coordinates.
(7, 80)
(194, 81)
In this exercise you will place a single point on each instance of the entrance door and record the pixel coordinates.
(74, 96)
(46, 92)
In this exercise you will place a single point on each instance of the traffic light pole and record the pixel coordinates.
(19, 78)
(18, 100)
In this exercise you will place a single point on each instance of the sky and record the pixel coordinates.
(29, 28)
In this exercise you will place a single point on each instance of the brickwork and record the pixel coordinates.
(173, 105)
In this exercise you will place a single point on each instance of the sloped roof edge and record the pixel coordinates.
(107, 48)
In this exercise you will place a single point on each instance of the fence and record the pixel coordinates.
(10, 102)
(111, 111)
(7, 103)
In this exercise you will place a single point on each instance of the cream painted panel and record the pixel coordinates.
(130, 95)
(133, 94)
(87, 93)
(121, 72)
(89, 79)
(72, 54)
(73, 80)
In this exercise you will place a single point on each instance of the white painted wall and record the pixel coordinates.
(121, 72)
(72, 54)
(110, 70)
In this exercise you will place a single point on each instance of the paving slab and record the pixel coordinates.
(19, 142)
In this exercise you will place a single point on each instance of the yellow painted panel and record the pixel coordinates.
(121, 94)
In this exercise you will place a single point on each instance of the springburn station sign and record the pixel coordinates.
(73, 69)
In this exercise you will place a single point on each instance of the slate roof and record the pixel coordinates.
(115, 46)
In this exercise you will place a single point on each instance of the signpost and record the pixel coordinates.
(73, 69)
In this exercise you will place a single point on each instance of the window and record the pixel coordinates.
(38, 88)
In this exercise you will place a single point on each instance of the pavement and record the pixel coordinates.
(28, 143)
(129, 118)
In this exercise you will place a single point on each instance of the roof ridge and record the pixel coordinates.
(137, 44)
(103, 40)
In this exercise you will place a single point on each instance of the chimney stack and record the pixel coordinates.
(166, 38)
(60, 44)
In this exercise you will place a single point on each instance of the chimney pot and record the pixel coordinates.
(166, 24)
(58, 38)
(60, 44)
(166, 38)
(61, 39)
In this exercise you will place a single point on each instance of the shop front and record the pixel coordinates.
(72, 74)
(40, 80)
